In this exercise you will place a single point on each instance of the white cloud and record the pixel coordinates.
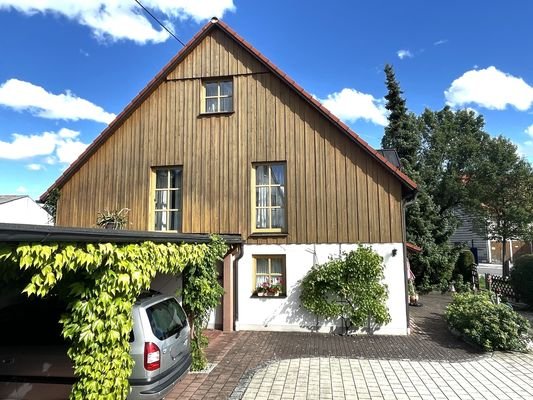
(69, 150)
(439, 42)
(404, 54)
(22, 190)
(124, 19)
(525, 149)
(50, 160)
(34, 167)
(62, 145)
(490, 88)
(529, 130)
(351, 105)
(20, 95)
(473, 110)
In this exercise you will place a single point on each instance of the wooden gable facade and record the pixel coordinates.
(338, 190)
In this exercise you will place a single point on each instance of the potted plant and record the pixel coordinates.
(413, 296)
(260, 290)
(275, 289)
(269, 289)
(115, 219)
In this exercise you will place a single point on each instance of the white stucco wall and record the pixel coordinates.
(24, 211)
(287, 314)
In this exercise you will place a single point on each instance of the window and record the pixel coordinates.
(269, 272)
(268, 198)
(168, 199)
(167, 318)
(218, 96)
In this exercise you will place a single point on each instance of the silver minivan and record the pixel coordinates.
(34, 364)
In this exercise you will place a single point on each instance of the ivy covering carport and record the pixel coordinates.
(100, 273)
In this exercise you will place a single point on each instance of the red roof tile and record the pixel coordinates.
(413, 248)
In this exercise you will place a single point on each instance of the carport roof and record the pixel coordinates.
(21, 233)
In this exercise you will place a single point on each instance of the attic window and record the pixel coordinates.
(218, 96)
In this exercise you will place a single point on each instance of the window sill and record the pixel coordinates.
(281, 296)
(214, 114)
(267, 234)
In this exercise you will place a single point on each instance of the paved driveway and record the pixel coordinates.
(428, 364)
(501, 377)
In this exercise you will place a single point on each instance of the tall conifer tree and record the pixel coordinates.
(400, 133)
(424, 224)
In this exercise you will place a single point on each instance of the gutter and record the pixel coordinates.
(406, 202)
(240, 254)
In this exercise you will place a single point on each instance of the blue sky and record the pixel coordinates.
(67, 67)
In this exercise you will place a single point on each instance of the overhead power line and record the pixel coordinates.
(159, 22)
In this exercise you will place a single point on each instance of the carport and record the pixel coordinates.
(42, 234)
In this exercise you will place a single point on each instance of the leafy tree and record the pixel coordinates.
(452, 141)
(501, 192)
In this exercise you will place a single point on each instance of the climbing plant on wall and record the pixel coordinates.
(109, 277)
(201, 294)
(349, 287)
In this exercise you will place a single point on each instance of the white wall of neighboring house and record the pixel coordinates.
(24, 210)
(466, 234)
(287, 314)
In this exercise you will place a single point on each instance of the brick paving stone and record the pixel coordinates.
(429, 364)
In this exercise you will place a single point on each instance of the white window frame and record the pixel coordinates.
(218, 96)
(167, 210)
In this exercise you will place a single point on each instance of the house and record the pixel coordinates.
(468, 234)
(486, 250)
(222, 141)
(22, 209)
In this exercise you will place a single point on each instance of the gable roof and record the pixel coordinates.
(408, 183)
(6, 198)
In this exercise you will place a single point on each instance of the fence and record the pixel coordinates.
(501, 285)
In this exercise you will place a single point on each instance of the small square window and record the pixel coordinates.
(269, 275)
(218, 97)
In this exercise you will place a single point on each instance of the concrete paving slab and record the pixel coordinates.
(429, 364)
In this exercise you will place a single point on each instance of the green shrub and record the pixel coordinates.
(463, 266)
(425, 286)
(522, 278)
(461, 286)
(491, 326)
(198, 345)
(350, 286)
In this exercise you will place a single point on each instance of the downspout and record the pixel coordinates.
(406, 202)
(240, 253)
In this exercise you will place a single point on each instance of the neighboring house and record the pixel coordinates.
(21, 209)
(222, 141)
(514, 249)
(467, 234)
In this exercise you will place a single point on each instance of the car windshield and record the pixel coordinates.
(166, 318)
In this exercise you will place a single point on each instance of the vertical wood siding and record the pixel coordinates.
(335, 191)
